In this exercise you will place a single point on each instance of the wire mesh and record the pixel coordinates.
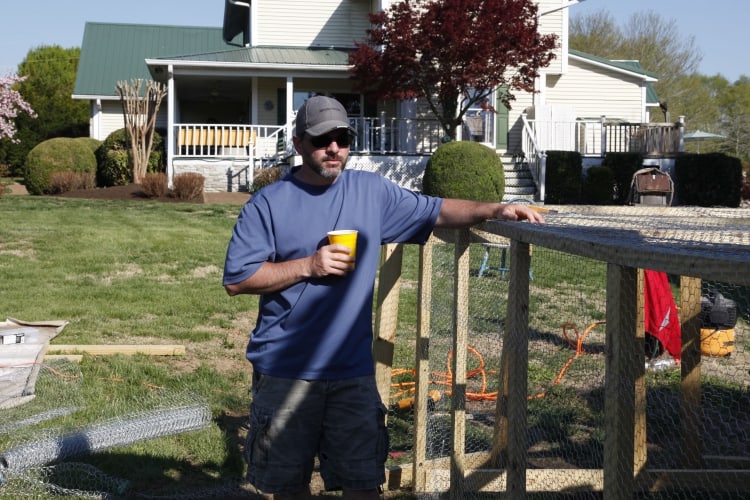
(607, 406)
(43, 444)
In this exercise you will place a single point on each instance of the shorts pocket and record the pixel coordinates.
(257, 446)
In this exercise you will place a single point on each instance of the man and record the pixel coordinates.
(314, 391)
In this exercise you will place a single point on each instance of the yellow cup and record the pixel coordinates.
(346, 237)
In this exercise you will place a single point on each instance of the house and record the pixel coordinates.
(233, 91)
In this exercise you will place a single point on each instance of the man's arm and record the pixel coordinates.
(329, 260)
(462, 213)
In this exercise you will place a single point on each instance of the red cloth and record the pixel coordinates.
(660, 312)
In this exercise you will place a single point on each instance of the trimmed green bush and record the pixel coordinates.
(61, 154)
(90, 142)
(113, 159)
(466, 170)
(599, 186)
(563, 180)
(708, 180)
(623, 166)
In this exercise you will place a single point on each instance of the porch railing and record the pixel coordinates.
(382, 135)
(595, 138)
(374, 135)
(535, 157)
(252, 142)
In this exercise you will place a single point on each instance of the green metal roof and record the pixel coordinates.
(273, 55)
(113, 52)
(117, 52)
(631, 66)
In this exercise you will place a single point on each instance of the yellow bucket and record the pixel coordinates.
(715, 342)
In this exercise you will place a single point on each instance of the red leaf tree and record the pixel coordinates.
(454, 53)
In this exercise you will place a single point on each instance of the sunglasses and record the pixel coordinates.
(322, 141)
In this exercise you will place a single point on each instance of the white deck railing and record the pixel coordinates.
(595, 138)
(221, 141)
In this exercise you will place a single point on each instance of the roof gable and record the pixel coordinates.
(630, 66)
(117, 52)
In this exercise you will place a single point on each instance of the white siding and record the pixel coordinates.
(552, 24)
(597, 91)
(111, 119)
(320, 23)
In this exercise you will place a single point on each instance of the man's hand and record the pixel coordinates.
(330, 260)
(517, 211)
(463, 213)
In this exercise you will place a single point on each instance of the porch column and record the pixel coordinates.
(254, 100)
(171, 132)
(681, 126)
(289, 107)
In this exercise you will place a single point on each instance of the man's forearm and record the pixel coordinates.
(272, 277)
(462, 213)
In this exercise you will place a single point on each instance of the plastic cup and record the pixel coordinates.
(346, 237)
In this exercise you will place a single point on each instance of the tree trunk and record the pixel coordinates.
(139, 112)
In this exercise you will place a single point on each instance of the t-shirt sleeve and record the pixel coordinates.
(409, 217)
(251, 244)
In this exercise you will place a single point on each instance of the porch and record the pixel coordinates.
(228, 154)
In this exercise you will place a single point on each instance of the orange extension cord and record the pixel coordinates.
(404, 390)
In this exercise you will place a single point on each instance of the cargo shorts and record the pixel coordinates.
(342, 422)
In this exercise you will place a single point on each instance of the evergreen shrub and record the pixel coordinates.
(61, 154)
(114, 167)
(708, 180)
(90, 142)
(563, 177)
(623, 166)
(466, 170)
(599, 186)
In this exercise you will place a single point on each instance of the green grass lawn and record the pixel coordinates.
(134, 273)
(150, 273)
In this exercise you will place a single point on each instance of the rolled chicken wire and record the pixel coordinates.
(109, 434)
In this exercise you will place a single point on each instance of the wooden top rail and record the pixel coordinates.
(707, 243)
(233, 137)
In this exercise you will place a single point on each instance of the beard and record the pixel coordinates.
(317, 166)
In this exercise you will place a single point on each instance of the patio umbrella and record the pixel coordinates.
(700, 136)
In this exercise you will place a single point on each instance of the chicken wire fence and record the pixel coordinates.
(608, 408)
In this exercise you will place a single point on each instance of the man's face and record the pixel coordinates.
(325, 155)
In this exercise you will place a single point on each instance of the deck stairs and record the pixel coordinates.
(519, 184)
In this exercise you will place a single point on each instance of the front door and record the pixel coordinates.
(501, 121)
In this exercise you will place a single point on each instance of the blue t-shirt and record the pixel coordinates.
(321, 329)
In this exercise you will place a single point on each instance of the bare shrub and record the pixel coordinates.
(265, 176)
(86, 180)
(189, 186)
(62, 182)
(154, 185)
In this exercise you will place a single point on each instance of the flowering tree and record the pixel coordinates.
(11, 104)
(454, 53)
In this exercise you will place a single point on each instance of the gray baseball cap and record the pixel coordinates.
(319, 115)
